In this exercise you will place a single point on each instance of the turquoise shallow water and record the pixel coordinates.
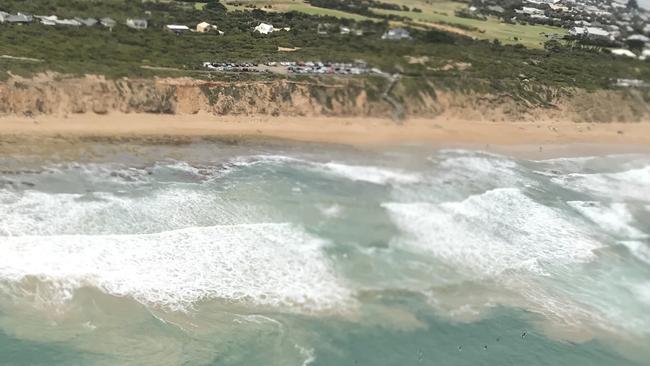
(290, 254)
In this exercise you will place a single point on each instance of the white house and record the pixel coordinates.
(396, 34)
(590, 32)
(47, 20)
(205, 27)
(623, 52)
(531, 11)
(264, 28)
(71, 22)
(108, 22)
(638, 38)
(597, 33)
(645, 55)
(178, 29)
(137, 23)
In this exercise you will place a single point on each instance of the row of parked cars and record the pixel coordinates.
(296, 67)
(317, 67)
(230, 66)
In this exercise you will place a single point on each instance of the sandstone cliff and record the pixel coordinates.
(58, 95)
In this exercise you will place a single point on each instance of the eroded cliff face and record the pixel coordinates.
(53, 94)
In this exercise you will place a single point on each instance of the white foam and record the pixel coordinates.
(266, 264)
(493, 232)
(370, 174)
(244, 161)
(470, 153)
(629, 184)
(615, 219)
(577, 159)
(307, 353)
(480, 164)
(358, 173)
(330, 211)
(481, 169)
(167, 208)
(638, 249)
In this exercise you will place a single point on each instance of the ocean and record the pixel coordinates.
(274, 253)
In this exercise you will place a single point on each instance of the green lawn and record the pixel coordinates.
(435, 13)
(443, 12)
(292, 5)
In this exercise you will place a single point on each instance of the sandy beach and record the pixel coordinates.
(358, 131)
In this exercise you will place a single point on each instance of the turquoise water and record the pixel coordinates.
(295, 254)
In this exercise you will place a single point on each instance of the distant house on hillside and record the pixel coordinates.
(205, 27)
(178, 29)
(88, 22)
(3, 15)
(496, 9)
(137, 23)
(593, 33)
(623, 52)
(47, 20)
(645, 55)
(264, 28)
(70, 22)
(108, 23)
(639, 38)
(18, 18)
(396, 34)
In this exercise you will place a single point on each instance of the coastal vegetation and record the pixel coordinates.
(432, 54)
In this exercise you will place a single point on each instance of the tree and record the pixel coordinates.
(215, 5)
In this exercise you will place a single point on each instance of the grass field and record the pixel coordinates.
(435, 14)
(293, 5)
(444, 12)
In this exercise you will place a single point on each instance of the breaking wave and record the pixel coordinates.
(493, 232)
(266, 264)
(629, 184)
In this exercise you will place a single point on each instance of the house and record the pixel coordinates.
(396, 34)
(496, 9)
(638, 38)
(70, 22)
(107, 23)
(205, 27)
(345, 30)
(264, 28)
(645, 55)
(593, 33)
(322, 29)
(623, 52)
(530, 11)
(178, 29)
(597, 33)
(88, 22)
(3, 15)
(47, 20)
(137, 23)
(539, 17)
(18, 18)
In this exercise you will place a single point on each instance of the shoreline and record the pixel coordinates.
(354, 131)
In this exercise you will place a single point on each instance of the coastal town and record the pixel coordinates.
(620, 27)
